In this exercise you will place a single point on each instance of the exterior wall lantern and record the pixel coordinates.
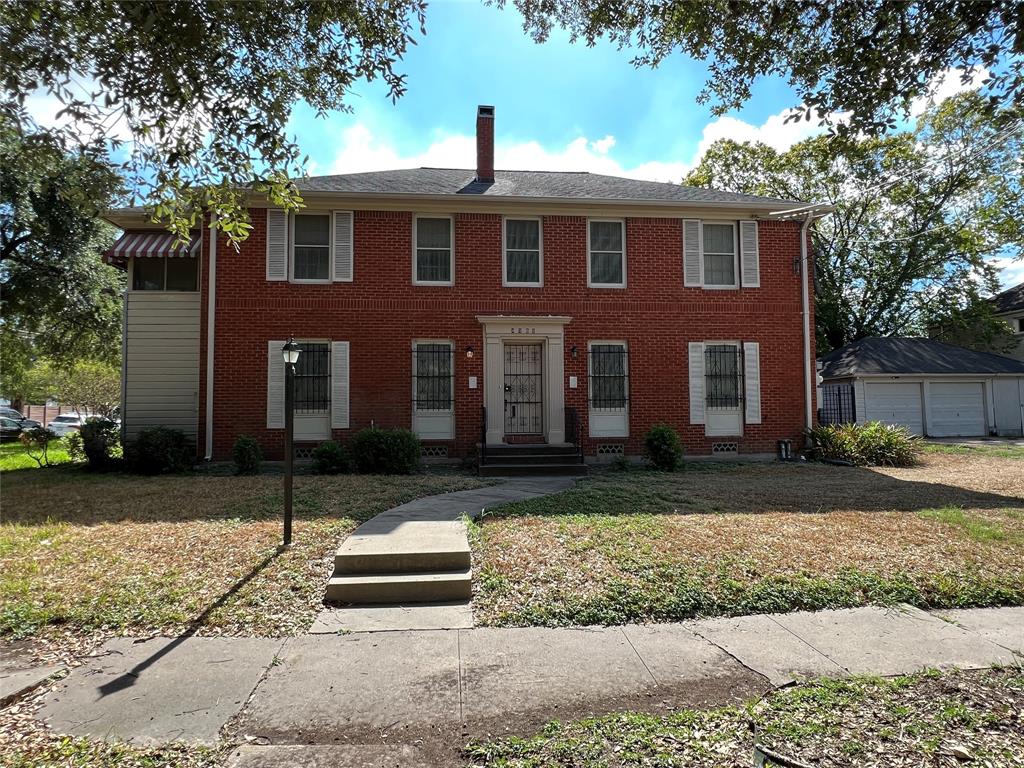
(575, 352)
(469, 352)
(290, 352)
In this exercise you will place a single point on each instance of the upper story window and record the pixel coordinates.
(719, 255)
(163, 273)
(606, 249)
(432, 252)
(1020, 325)
(523, 252)
(311, 247)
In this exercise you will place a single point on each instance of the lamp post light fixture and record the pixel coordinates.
(290, 352)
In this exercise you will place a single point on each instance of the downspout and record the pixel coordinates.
(211, 316)
(805, 301)
(124, 357)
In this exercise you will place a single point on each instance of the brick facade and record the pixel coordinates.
(380, 313)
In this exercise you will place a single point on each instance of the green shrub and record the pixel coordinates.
(161, 450)
(76, 449)
(37, 444)
(247, 455)
(385, 451)
(870, 444)
(101, 443)
(664, 449)
(330, 458)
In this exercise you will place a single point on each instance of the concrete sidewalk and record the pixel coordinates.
(415, 696)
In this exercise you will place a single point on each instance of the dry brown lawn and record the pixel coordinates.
(89, 555)
(747, 538)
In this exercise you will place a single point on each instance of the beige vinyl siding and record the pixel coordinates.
(162, 362)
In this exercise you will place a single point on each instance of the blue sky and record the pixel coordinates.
(556, 105)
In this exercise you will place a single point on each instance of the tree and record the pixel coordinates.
(57, 298)
(918, 215)
(868, 58)
(201, 90)
(89, 387)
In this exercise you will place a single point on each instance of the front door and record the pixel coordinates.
(524, 385)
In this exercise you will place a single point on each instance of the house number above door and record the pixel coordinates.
(531, 331)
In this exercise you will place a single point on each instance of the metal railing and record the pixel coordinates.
(572, 432)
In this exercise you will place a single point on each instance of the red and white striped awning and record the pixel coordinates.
(149, 243)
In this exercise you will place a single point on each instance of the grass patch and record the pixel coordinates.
(43, 750)
(741, 539)
(13, 456)
(113, 553)
(995, 450)
(977, 528)
(912, 720)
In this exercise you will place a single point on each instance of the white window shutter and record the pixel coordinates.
(696, 365)
(277, 244)
(275, 385)
(339, 385)
(750, 260)
(693, 257)
(752, 381)
(343, 246)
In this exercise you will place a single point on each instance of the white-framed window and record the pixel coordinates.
(523, 252)
(1020, 325)
(608, 388)
(311, 247)
(606, 253)
(720, 254)
(433, 241)
(165, 273)
(723, 375)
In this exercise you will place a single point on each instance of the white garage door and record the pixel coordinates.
(957, 409)
(895, 402)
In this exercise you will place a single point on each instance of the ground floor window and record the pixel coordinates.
(608, 372)
(432, 376)
(723, 371)
(313, 379)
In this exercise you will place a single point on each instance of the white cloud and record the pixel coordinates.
(950, 83)
(1011, 272)
(362, 150)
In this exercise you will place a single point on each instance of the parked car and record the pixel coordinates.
(65, 424)
(10, 429)
(30, 424)
(10, 413)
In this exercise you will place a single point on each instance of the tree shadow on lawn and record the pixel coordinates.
(79, 497)
(760, 488)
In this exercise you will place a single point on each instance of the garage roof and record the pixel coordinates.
(900, 355)
(1010, 300)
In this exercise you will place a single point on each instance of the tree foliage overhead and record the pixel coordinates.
(57, 297)
(866, 57)
(918, 216)
(201, 90)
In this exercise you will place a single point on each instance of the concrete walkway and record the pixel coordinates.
(416, 553)
(413, 697)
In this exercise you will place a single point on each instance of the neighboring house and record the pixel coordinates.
(931, 388)
(1009, 305)
(505, 306)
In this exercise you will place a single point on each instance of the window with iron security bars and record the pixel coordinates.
(609, 377)
(313, 378)
(723, 375)
(838, 405)
(432, 367)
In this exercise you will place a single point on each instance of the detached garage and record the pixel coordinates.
(931, 388)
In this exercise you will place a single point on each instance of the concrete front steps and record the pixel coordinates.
(528, 459)
(396, 562)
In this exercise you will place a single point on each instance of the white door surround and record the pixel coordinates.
(549, 332)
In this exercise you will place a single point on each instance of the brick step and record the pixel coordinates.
(402, 561)
(512, 468)
(534, 458)
(532, 449)
(391, 588)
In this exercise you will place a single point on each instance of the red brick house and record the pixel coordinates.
(504, 306)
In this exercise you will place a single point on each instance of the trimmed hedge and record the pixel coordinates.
(331, 458)
(385, 451)
(247, 455)
(161, 450)
(101, 442)
(870, 444)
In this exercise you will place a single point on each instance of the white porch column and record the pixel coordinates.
(554, 389)
(494, 395)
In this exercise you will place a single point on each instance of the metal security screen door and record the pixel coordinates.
(313, 391)
(524, 405)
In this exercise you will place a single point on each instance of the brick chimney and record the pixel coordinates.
(485, 144)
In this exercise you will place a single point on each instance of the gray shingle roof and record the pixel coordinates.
(897, 355)
(568, 185)
(1010, 300)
